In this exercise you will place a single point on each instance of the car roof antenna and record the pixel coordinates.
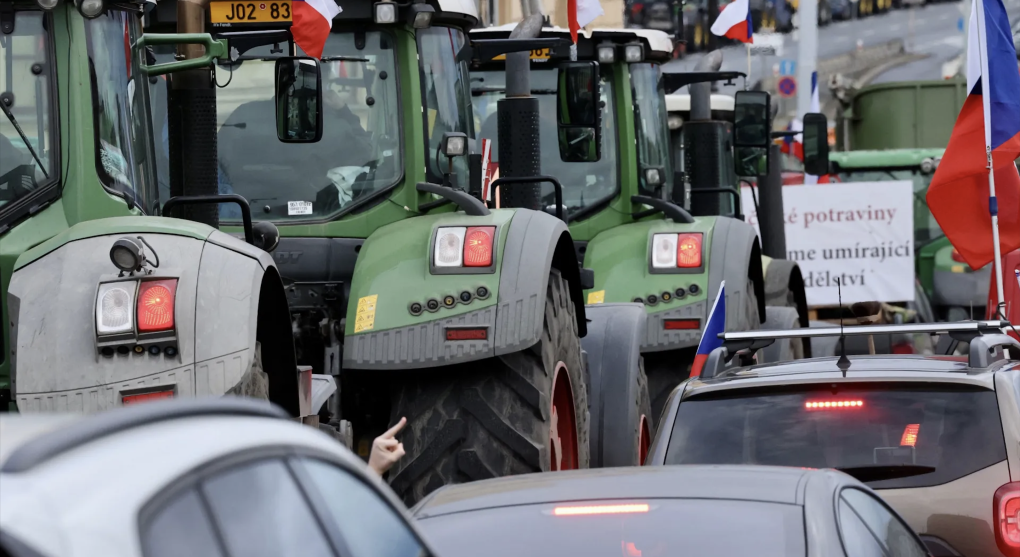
(843, 363)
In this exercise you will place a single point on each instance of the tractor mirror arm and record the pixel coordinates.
(215, 49)
(673, 81)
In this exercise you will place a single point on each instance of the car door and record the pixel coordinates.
(869, 527)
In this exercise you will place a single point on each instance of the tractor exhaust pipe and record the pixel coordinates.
(701, 93)
(192, 122)
(707, 146)
(517, 121)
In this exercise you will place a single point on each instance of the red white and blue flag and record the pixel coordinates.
(580, 13)
(715, 325)
(734, 22)
(959, 194)
(312, 21)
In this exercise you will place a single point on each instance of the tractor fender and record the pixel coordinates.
(227, 294)
(535, 244)
(613, 344)
(784, 287)
(735, 257)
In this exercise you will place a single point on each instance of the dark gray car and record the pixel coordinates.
(688, 511)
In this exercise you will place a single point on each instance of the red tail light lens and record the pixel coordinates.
(146, 397)
(473, 333)
(681, 324)
(833, 404)
(478, 246)
(156, 305)
(957, 257)
(1006, 518)
(688, 250)
(909, 438)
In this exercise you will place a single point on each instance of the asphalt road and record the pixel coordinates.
(932, 31)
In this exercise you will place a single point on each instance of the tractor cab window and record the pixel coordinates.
(125, 159)
(651, 126)
(585, 185)
(27, 156)
(359, 155)
(926, 228)
(447, 97)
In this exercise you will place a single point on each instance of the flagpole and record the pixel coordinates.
(747, 79)
(992, 201)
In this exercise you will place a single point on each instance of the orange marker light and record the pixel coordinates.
(909, 438)
(601, 509)
(688, 250)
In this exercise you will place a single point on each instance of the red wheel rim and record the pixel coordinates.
(563, 425)
(643, 441)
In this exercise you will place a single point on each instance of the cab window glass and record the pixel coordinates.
(182, 527)
(260, 511)
(857, 539)
(368, 524)
(124, 144)
(447, 96)
(894, 536)
(25, 75)
(651, 123)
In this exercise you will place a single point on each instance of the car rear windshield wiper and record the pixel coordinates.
(14, 121)
(885, 472)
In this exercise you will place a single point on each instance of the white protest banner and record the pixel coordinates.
(860, 234)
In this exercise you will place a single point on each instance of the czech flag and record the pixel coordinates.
(581, 13)
(958, 196)
(312, 21)
(715, 325)
(734, 22)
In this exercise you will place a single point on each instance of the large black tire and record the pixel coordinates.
(783, 350)
(491, 418)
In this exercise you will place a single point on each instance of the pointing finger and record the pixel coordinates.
(395, 429)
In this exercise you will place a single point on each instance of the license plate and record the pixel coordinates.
(537, 54)
(240, 13)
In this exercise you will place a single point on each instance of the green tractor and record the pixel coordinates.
(629, 212)
(390, 292)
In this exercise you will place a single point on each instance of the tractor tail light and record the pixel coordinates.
(478, 246)
(681, 324)
(156, 305)
(664, 251)
(146, 397)
(688, 250)
(114, 307)
(449, 250)
(1006, 518)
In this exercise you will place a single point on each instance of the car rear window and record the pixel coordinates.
(648, 528)
(954, 429)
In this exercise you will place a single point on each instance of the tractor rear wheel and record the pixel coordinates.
(513, 414)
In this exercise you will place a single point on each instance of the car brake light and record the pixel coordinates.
(681, 324)
(114, 305)
(156, 305)
(478, 246)
(601, 509)
(146, 397)
(1006, 518)
(833, 404)
(909, 438)
(449, 250)
(688, 250)
(957, 257)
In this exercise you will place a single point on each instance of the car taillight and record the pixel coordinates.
(1006, 518)
(478, 246)
(156, 305)
(672, 251)
(115, 307)
(957, 257)
(833, 404)
(909, 438)
(688, 250)
(601, 509)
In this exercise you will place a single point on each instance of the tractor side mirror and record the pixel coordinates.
(579, 112)
(298, 100)
(752, 133)
(816, 144)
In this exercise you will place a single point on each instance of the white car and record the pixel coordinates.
(196, 478)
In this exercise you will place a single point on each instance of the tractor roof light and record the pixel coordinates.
(90, 9)
(47, 4)
(633, 53)
(128, 255)
(385, 12)
(420, 15)
(454, 144)
(653, 177)
(607, 54)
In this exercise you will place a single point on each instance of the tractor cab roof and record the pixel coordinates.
(658, 45)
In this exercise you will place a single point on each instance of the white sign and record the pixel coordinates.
(859, 235)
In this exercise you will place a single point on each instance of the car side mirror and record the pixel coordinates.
(579, 112)
(816, 144)
(298, 100)
(752, 133)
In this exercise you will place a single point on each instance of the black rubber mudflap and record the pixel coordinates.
(193, 158)
(491, 418)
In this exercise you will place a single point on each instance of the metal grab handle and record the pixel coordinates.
(180, 200)
(530, 180)
(214, 49)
